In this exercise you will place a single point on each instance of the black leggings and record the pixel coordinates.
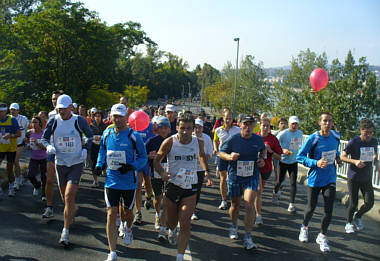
(368, 195)
(201, 176)
(293, 172)
(328, 193)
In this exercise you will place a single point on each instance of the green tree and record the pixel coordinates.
(137, 95)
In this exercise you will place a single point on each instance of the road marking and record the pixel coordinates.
(187, 255)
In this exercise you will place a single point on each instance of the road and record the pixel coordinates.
(24, 237)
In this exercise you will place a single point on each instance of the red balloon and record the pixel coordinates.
(319, 79)
(138, 120)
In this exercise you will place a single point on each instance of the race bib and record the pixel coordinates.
(114, 158)
(295, 143)
(156, 174)
(4, 141)
(96, 139)
(66, 144)
(367, 153)
(329, 156)
(185, 178)
(245, 168)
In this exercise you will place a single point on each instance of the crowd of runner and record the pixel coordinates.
(170, 159)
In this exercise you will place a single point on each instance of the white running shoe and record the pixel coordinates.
(259, 220)
(180, 257)
(291, 208)
(36, 192)
(322, 241)
(248, 243)
(304, 234)
(358, 222)
(172, 236)
(11, 192)
(16, 186)
(350, 228)
(223, 205)
(162, 234)
(276, 198)
(48, 213)
(233, 232)
(122, 230)
(157, 222)
(64, 240)
(194, 217)
(128, 237)
(111, 257)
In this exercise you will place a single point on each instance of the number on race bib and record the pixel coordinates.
(245, 168)
(367, 153)
(329, 156)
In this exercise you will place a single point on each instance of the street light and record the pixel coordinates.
(236, 74)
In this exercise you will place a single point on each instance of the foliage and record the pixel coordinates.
(137, 95)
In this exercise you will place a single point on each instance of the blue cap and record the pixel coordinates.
(163, 121)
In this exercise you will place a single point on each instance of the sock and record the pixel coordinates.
(180, 256)
(11, 185)
(113, 254)
(65, 230)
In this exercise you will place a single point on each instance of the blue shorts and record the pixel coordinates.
(237, 189)
(50, 157)
(222, 164)
(145, 170)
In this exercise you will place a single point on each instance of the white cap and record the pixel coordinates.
(170, 107)
(155, 119)
(75, 105)
(63, 102)
(93, 110)
(293, 119)
(119, 109)
(14, 106)
(199, 122)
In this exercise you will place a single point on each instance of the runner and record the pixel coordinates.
(182, 151)
(44, 117)
(37, 162)
(208, 148)
(158, 185)
(290, 141)
(244, 153)
(363, 152)
(282, 125)
(273, 149)
(125, 152)
(319, 153)
(222, 133)
(10, 131)
(50, 166)
(23, 124)
(170, 113)
(97, 128)
(66, 129)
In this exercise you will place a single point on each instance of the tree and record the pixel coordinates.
(137, 95)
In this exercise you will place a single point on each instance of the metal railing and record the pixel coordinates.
(342, 171)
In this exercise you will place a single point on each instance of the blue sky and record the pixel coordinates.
(271, 30)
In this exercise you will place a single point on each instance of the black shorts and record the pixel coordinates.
(158, 187)
(114, 196)
(11, 156)
(265, 176)
(176, 194)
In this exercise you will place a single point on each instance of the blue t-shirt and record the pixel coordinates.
(248, 149)
(326, 146)
(147, 133)
(119, 148)
(357, 148)
(154, 144)
(291, 141)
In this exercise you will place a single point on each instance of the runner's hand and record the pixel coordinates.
(50, 149)
(322, 163)
(124, 168)
(234, 156)
(98, 171)
(360, 164)
(260, 163)
(209, 183)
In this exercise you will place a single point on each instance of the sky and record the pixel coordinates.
(273, 31)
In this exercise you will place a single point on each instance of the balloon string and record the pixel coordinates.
(319, 101)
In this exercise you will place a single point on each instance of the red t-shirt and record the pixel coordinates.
(274, 144)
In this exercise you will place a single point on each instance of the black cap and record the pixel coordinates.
(246, 118)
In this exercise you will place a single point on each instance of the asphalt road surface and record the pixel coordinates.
(25, 237)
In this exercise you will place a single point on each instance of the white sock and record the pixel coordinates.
(180, 256)
(113, 254)
(65, 230)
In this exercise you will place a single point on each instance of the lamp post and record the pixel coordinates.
(236, 74)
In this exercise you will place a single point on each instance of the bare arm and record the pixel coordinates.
(203, 160)
(164, 150)
(358, 163)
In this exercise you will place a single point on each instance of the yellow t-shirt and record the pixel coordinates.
(8, 126)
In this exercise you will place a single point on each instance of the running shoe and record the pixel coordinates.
(233, 232)
(138, 219)
(157, 222)
(162, 234)
(304, 234)
(350, 228)
(95, 184)
(223, 205)
(122, 230)
(43, 198)
(16, 186)
(358, 222)
(36, 192)
(194, 216)
(276, 198)
(172, 236)
(128, 237)
(111, 257)
(48, 213)
(11, 192)
(248, 243)
(259, 220)
(322, 241)
(64, 240)
(180, 258)
(291, 208)
(148, 203)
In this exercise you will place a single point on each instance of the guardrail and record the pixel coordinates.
(342, 171)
